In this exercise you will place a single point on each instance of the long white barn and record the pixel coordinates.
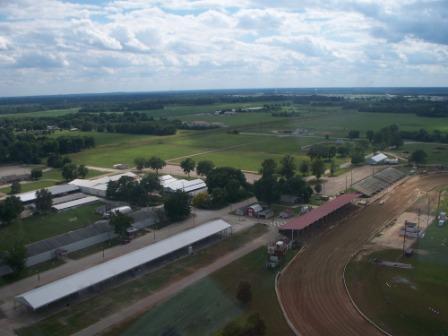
(47, 294)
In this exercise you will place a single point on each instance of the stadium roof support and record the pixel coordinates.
(42, 296)
(301, 222)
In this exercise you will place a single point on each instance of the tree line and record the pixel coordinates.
(31, 148)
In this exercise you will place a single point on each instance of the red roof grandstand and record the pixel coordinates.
(301, 222)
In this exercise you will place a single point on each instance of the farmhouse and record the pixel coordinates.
(98, 187)
(78, 282)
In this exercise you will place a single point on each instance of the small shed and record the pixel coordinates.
(377, 159)
(254, 209)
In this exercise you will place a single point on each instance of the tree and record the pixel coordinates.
(139, 163)
(369, 135)
(10, 209)
(156, 163)
(297, 186)
(120, 223)
(333, 167)
(287, 166)
(418, 156)
(353, 134)
(357, 156)
(267, 189)
(204, 167)
(187, 166)
(255, 326)
(268, 167)
(69, 171)
(150, 182)
(44, 200)
(318, 168)
(304, 167)
(82, 171)
(230, 183)
(15, 257)
(244, 292)
(16, 187)
(36, 173)
(318, 188)
(201, 200)
(177, 206)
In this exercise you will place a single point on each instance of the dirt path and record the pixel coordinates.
(150, 301)
(311, 288)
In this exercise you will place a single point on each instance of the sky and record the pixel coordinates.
(88, 46)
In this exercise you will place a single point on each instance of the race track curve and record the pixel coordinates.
(311, 288)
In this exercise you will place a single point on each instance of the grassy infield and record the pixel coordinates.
(406, 302)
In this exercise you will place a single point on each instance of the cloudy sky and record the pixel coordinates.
(53, 47)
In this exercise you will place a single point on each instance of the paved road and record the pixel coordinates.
(311, 288)
(165, 293)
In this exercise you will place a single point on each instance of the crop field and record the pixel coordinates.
(43, 226)
(205, 308)
(406, 301)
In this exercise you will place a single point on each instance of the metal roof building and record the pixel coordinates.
(377, 159)
(98, 187)
(56, 190)
(75, 203)
(302, 222)
(189, 186)
(42, 296)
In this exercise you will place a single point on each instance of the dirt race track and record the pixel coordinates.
(311, 289)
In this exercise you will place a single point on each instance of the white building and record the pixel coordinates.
(377, 159)
(191, 187)
(98, 187)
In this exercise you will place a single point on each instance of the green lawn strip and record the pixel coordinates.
(84, 313)
(198, 310)
(41, 227)
(48, 113)
(29, 186)
(30, 271)
(406, 302)
(437, 153)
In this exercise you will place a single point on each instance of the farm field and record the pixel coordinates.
(84, 313)
(40, 227)
(49, 113)
(406, 301)
(206, 307)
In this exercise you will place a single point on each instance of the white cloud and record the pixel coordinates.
(181, 44)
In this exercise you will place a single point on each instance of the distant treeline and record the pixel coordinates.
(29, 148)
(425, 136)
(128, 122)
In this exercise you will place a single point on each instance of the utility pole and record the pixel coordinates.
(351, 177)
(404, 239)
(427, 218)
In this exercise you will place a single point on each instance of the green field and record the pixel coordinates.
(406, 302)
(437, 153)
(49, 113)
(40, 227)
(84, 313)
(206, 307)
(48, 179)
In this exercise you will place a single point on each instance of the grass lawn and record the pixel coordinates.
(437, 153)
(30, 271)
(48, 179)
(43, 226)
(206, 307)
(82, 314)
(406, 302)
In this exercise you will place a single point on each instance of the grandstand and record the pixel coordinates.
(380, 181)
